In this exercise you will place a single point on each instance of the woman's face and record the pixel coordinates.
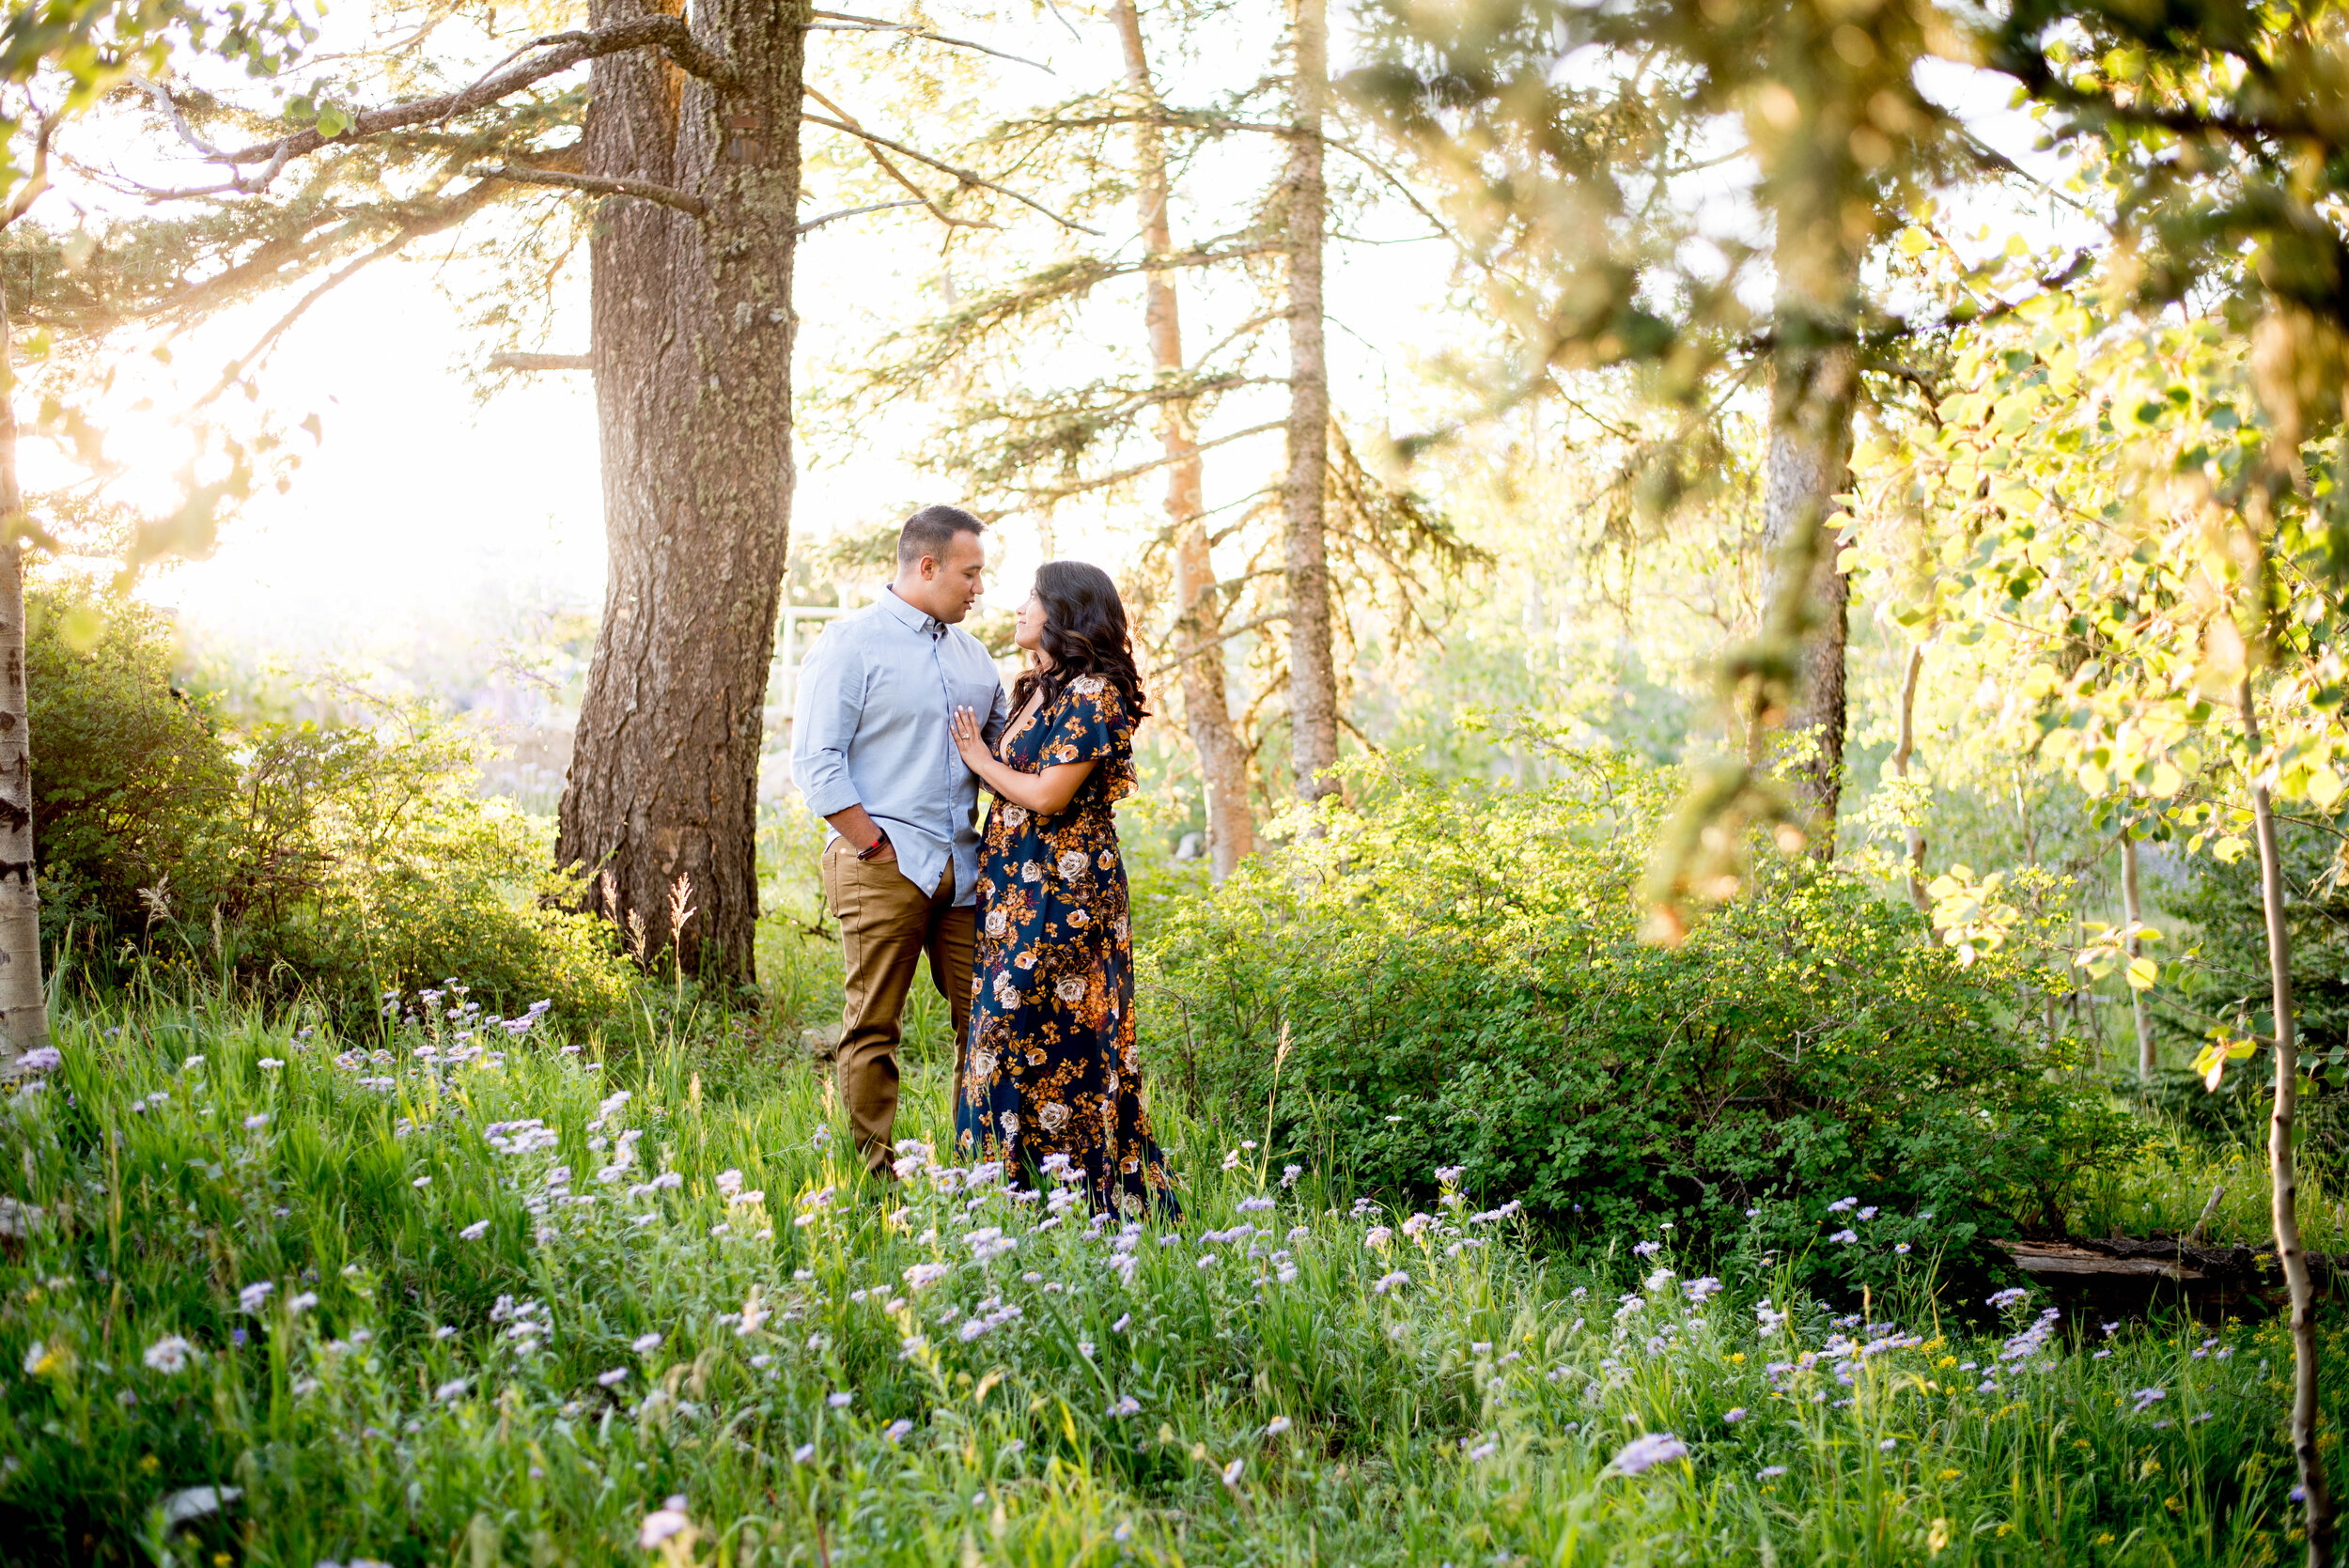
(1027, 630)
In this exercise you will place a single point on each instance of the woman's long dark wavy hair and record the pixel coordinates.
(1084, 632)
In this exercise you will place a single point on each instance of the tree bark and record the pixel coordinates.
(2283, 1174)
(692, 347)
(1199, 618)
(1814, 386)
(23, 1000)
(1313, 670)
(2133, 915)
(1914, 829)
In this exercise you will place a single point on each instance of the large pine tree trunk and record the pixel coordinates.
(2283, 1169)
(691, 349)
(23, 1002)
(1199, 618)
(1817, 381)
(1313, 668)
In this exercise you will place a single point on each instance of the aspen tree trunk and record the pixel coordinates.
(2133, 914)
(1199, 618)
(23, 1002)
(692, 348)
(1313, 671)
(2283, 1174)
(1914, 831)
(1814, 386)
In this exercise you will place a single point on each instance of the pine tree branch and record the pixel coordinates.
(841, 21)
(964, 175)
(1229, 632)
(542, 362)
(668, 34)
(1082, 486)
(595, 185)
(854, 212)
(417, 228)
(892, 171)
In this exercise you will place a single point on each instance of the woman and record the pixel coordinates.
(1049, 1066)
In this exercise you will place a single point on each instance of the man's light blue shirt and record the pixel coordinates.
(870, 729)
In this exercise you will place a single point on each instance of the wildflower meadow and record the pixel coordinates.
(463, 1289)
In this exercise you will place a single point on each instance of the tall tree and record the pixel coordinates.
(1313, 693)
(1815, 384)
(1199, 641)
(1558, 127)
(679, 167)
(1025, 446)
(691, 340)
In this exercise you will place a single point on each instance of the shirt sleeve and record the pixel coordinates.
(830, 703)
(998, 715)
(1089, 724)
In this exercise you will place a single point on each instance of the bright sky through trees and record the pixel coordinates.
(421, 495)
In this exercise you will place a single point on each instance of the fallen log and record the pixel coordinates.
(2131, 1276)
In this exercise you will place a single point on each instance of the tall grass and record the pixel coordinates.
(484, 1343)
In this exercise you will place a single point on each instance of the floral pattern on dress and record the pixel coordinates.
(1049, 1066)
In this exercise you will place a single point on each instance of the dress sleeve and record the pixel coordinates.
(1090, 724)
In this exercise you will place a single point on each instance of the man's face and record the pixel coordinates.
(953, 584)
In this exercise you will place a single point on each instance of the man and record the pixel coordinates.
(873, 755)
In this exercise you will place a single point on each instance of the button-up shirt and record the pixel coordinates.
(870, 729)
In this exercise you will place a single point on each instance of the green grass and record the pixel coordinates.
(2167, 1188)
(687, 1346)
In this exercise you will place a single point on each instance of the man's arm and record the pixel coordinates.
(859, 829)
(998, 715)
(829, 706)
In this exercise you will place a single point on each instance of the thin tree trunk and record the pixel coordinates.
(1199, 619)
(1313, 667)
(2133, 915)
(1914, 830)
(691, 345)
(23, 1001)
(1815, 384)
(2283, 1175)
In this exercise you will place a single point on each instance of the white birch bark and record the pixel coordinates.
(2283, 1173)
(1313, 671)
(23, 1000)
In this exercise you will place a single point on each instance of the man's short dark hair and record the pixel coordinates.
(928, 531)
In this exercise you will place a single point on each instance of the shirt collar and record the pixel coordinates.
(907, 616)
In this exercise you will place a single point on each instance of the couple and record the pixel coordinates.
(901, 718)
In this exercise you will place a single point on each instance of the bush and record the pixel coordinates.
(332, 862)
(131, 778)
(1460, 977)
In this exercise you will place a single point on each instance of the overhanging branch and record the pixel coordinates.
(668, 34)
(542, 362)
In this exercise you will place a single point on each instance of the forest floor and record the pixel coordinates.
(277, 1298)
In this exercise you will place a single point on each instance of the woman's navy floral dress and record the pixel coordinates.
(1049, 1066)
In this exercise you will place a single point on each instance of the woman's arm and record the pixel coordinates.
(1044, 793)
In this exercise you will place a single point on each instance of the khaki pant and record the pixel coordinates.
(886, 925)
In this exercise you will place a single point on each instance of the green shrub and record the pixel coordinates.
(2227, 978)
(330, 861)
(132, 782)
(1460, 975)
